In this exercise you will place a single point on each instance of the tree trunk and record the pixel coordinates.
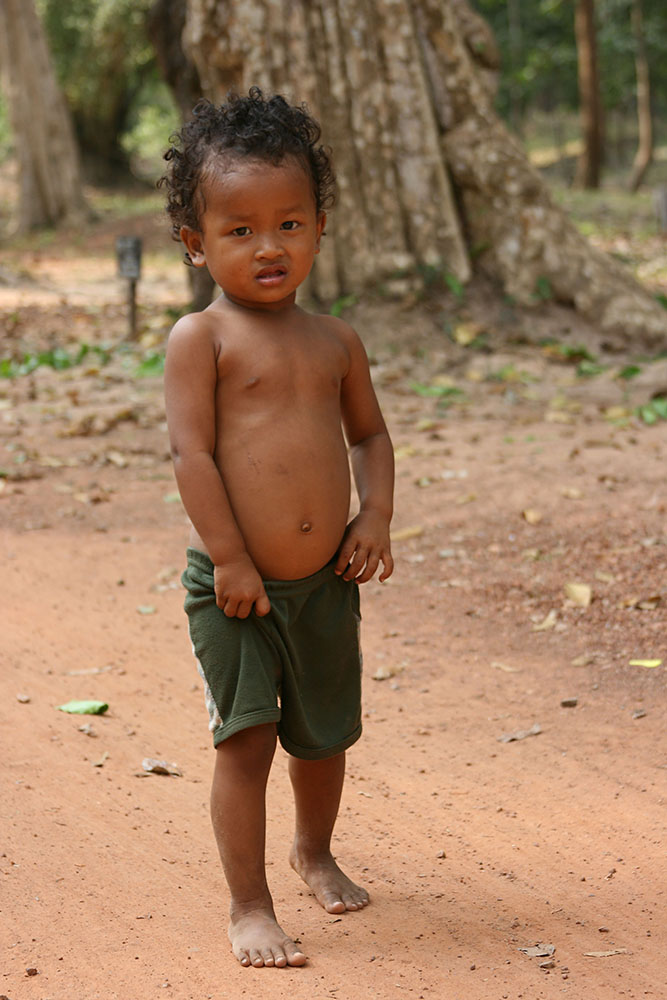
(50, 178)
(166, 21)
(589, 166)
(515, 46)
(644, 154)
(429, 177)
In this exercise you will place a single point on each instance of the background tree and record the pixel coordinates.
(48, 163)
(589, 166)
(539, 76)
(430, 178)
(103, 58)
(644, 154)
(540, 59)
(166, 21)
(515, 33)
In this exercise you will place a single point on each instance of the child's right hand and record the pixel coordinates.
(238, 586)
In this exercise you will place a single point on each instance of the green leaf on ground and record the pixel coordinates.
(654, 410)
(153, 364)
(344, 302)
(84, 707)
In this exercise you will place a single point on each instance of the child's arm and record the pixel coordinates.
(190, 383)
(366, 542)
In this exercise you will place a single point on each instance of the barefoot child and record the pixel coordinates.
(261, 397)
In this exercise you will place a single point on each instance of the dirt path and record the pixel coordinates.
(473, 848)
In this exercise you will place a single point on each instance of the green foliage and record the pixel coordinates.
(455, 286)
(58, 358)
(153, 117)
(653, 411)
(629, 372)
(571, 353)
(344, 302)
(95, 44)
(152, 364)
(430, 274)
(538, 53)
(106, 66)
(543, 289)
(539, 59)
(443, 393)
(510, 373)
(588, 369)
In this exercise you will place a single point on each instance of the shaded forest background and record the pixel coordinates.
(122, 108)
(110, 65)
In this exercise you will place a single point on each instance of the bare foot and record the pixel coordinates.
(332, 888)
(258, 940)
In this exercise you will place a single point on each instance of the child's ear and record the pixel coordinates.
(192, 241)
(319, 232)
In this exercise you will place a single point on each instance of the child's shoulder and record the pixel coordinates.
(199, 344)
(338, 328)
(197, 326)
(348, 338)
(202, 335)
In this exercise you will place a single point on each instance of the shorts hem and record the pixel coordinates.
(317, 753)
(227, 729)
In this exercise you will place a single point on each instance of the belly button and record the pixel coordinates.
(306, 527)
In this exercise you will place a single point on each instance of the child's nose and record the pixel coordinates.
(269, 245)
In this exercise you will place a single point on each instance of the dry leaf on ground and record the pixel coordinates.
(532, 516)
(403, 534)
(579, 593)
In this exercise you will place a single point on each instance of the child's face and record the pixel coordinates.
(260, 231)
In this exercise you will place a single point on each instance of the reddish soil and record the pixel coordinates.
(473, 848)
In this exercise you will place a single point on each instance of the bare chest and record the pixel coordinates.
(269, 377)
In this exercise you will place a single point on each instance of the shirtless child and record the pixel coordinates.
(258, 395)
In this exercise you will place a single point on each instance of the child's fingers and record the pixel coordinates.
(388, 564)
(231, 607)
(345, 555)
(243, 609)
(262, 605)
(369, 570)
(356, 564)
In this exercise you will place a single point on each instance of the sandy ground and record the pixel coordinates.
(473, 848)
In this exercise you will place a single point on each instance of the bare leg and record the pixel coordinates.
(317, 788)
(238, 811)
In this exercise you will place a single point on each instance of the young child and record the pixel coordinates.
(258, 395)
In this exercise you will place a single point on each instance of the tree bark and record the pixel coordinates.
(589, 166)
(430, 179)
(49, 171)
(515, 45)
(357, 67)
(644, 154)
(166, 21)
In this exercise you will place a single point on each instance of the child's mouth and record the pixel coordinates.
(271, 276)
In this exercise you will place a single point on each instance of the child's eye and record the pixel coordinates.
(290, 224)
(241, 231)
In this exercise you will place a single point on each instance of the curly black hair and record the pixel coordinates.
(256, 127)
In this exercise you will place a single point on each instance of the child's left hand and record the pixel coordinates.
(365, 544)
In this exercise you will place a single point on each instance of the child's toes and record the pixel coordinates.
(333, 903)
(355, 901)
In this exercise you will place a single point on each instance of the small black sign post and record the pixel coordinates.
(128, 256)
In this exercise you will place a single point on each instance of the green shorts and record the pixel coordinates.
(299, 666)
